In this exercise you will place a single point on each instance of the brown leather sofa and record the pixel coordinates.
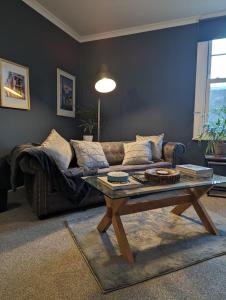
(45, 200)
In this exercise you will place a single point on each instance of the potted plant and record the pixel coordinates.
(88, 122)
(215, 133)
(88, 127)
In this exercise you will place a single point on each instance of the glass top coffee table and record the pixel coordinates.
(150, 196)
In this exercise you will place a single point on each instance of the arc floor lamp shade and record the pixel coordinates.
(104, 84)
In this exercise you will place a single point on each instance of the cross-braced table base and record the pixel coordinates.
(119, 207)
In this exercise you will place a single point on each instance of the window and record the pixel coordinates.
(210, 82)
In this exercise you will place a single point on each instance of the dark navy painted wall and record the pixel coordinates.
(155, 73)
(29, 39)
(214, 28)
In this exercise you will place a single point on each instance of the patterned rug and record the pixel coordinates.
(161, 242)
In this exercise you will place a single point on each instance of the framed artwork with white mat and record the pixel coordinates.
(15, 91)
(65, 94)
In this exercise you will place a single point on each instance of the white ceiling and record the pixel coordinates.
(94, 19)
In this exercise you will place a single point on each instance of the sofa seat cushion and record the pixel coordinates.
(134, 168)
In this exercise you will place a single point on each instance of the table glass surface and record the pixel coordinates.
(150, 187)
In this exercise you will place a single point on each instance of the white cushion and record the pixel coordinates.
(156, 144)
(59, 149)
(137, 153)
(90, 154)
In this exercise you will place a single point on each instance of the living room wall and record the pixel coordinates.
(155, 74)
(29, 39)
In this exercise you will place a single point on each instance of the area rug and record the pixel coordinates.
(161, 242)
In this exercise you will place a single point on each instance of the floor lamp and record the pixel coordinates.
(104, 84)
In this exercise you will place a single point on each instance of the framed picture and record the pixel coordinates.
(65, 94)
(14, 85)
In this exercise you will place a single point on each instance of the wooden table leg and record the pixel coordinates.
(204, 217)
(122, 239)
(196, 194)
(106, 221)
(112, 216)
(179, 209)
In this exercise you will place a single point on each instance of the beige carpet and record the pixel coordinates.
(38, 260)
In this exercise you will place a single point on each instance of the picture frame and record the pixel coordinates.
(65, 94)
(14, 85)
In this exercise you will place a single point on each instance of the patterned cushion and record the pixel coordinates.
(90, 154)
(59, 149)
(137, 153)
(156, 144)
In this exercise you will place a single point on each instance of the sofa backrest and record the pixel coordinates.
(114, 152)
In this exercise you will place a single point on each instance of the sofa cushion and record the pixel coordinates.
(156, 144)
(89, 154)
(134, 168)
(114, 152)
(59, 149)
(137, 153)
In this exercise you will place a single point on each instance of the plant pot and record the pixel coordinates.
(220, 149)
(88, 138)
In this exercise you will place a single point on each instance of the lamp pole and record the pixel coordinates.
(104, 84)
(98, 120)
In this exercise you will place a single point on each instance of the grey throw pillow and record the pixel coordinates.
(137, 153)
(90, 154)
(156, 144)
(59, 149)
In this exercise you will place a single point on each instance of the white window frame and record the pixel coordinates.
(202, 86)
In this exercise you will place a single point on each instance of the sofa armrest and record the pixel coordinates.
(171, 151)
(30, 165)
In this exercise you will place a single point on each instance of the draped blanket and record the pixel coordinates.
(69, 182)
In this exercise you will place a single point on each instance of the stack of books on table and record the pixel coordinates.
(130, 184)
(195, 171)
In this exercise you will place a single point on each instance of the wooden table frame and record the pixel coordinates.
(118, 207)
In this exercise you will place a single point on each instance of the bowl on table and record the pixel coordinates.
(162, 175)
